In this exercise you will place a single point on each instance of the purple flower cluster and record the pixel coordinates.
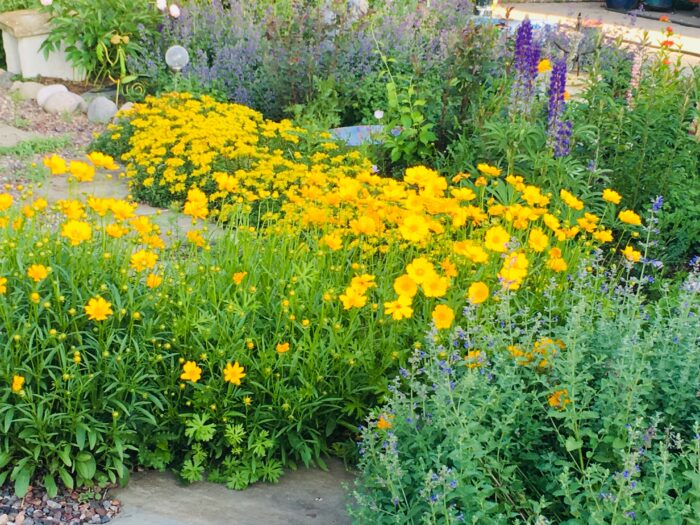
(559, 130)
(271, 59)
(526, 60)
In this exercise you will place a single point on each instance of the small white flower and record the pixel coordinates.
(46, 3)
(162, 5)
(174, 11)
(379, 114)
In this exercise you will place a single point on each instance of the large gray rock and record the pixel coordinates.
(101, 110)
(47, 92)
(63, 102)
(26, 90)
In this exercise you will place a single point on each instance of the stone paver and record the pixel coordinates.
(10, 136)
(304, 497)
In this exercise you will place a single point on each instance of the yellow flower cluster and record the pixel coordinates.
(178, 143)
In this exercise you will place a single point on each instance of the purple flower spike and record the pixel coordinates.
(559, 131)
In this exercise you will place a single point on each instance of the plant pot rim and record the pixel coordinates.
(25, 23)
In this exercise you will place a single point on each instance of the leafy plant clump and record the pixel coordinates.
(524, 418)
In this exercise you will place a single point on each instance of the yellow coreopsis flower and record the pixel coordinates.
(38, 272)
(56, 165)
(17, 383)
(559, 399)
(98, 309)
(631, 254)
(404, 285)
(570, 200)
(478, 292)
(238, 277)
(629, 217)
(537, 240)
(486, 169)
(143, 260)
(191, 372)
(435, 286)
(401, 308)
(611, 196)
(282, 348)
(420, 269)
(76, 232)
(352, 298)
(3, 285)
(153, 280)
(6, 201)
(497, 239)
(82, 171)
(414, 228)
(234, 373)
(544, 65)
(443, 316)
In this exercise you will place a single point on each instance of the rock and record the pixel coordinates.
(26, 90)
(127, 106)
(4, 518)
(62, 102)
(52, 504)
(84, 106)
(47, 92)
(19, 519)
(101, 110)
(5, 78)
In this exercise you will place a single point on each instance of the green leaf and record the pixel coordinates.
(80, 436)
(8, 419)
(66, 478)
(573, 444)
(22, 480)
(64, 454)
(4, 459)
(50, 486)
(85, 465)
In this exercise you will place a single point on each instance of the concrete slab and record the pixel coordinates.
(10, 136)
(304, 497)
(57, 188)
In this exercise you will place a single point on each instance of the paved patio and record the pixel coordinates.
(629, 27)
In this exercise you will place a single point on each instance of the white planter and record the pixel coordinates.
(23, 32)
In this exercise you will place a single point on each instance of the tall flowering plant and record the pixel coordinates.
(559, 130)
(525, 62)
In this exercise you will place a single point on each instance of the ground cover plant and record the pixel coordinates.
(517, 417)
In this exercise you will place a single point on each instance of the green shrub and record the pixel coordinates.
(526, 418)
(91, 31)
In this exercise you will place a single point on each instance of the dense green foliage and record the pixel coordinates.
(521, 418)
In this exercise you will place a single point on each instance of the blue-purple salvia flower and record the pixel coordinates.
(559, 130)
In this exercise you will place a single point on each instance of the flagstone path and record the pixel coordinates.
(304, 497)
